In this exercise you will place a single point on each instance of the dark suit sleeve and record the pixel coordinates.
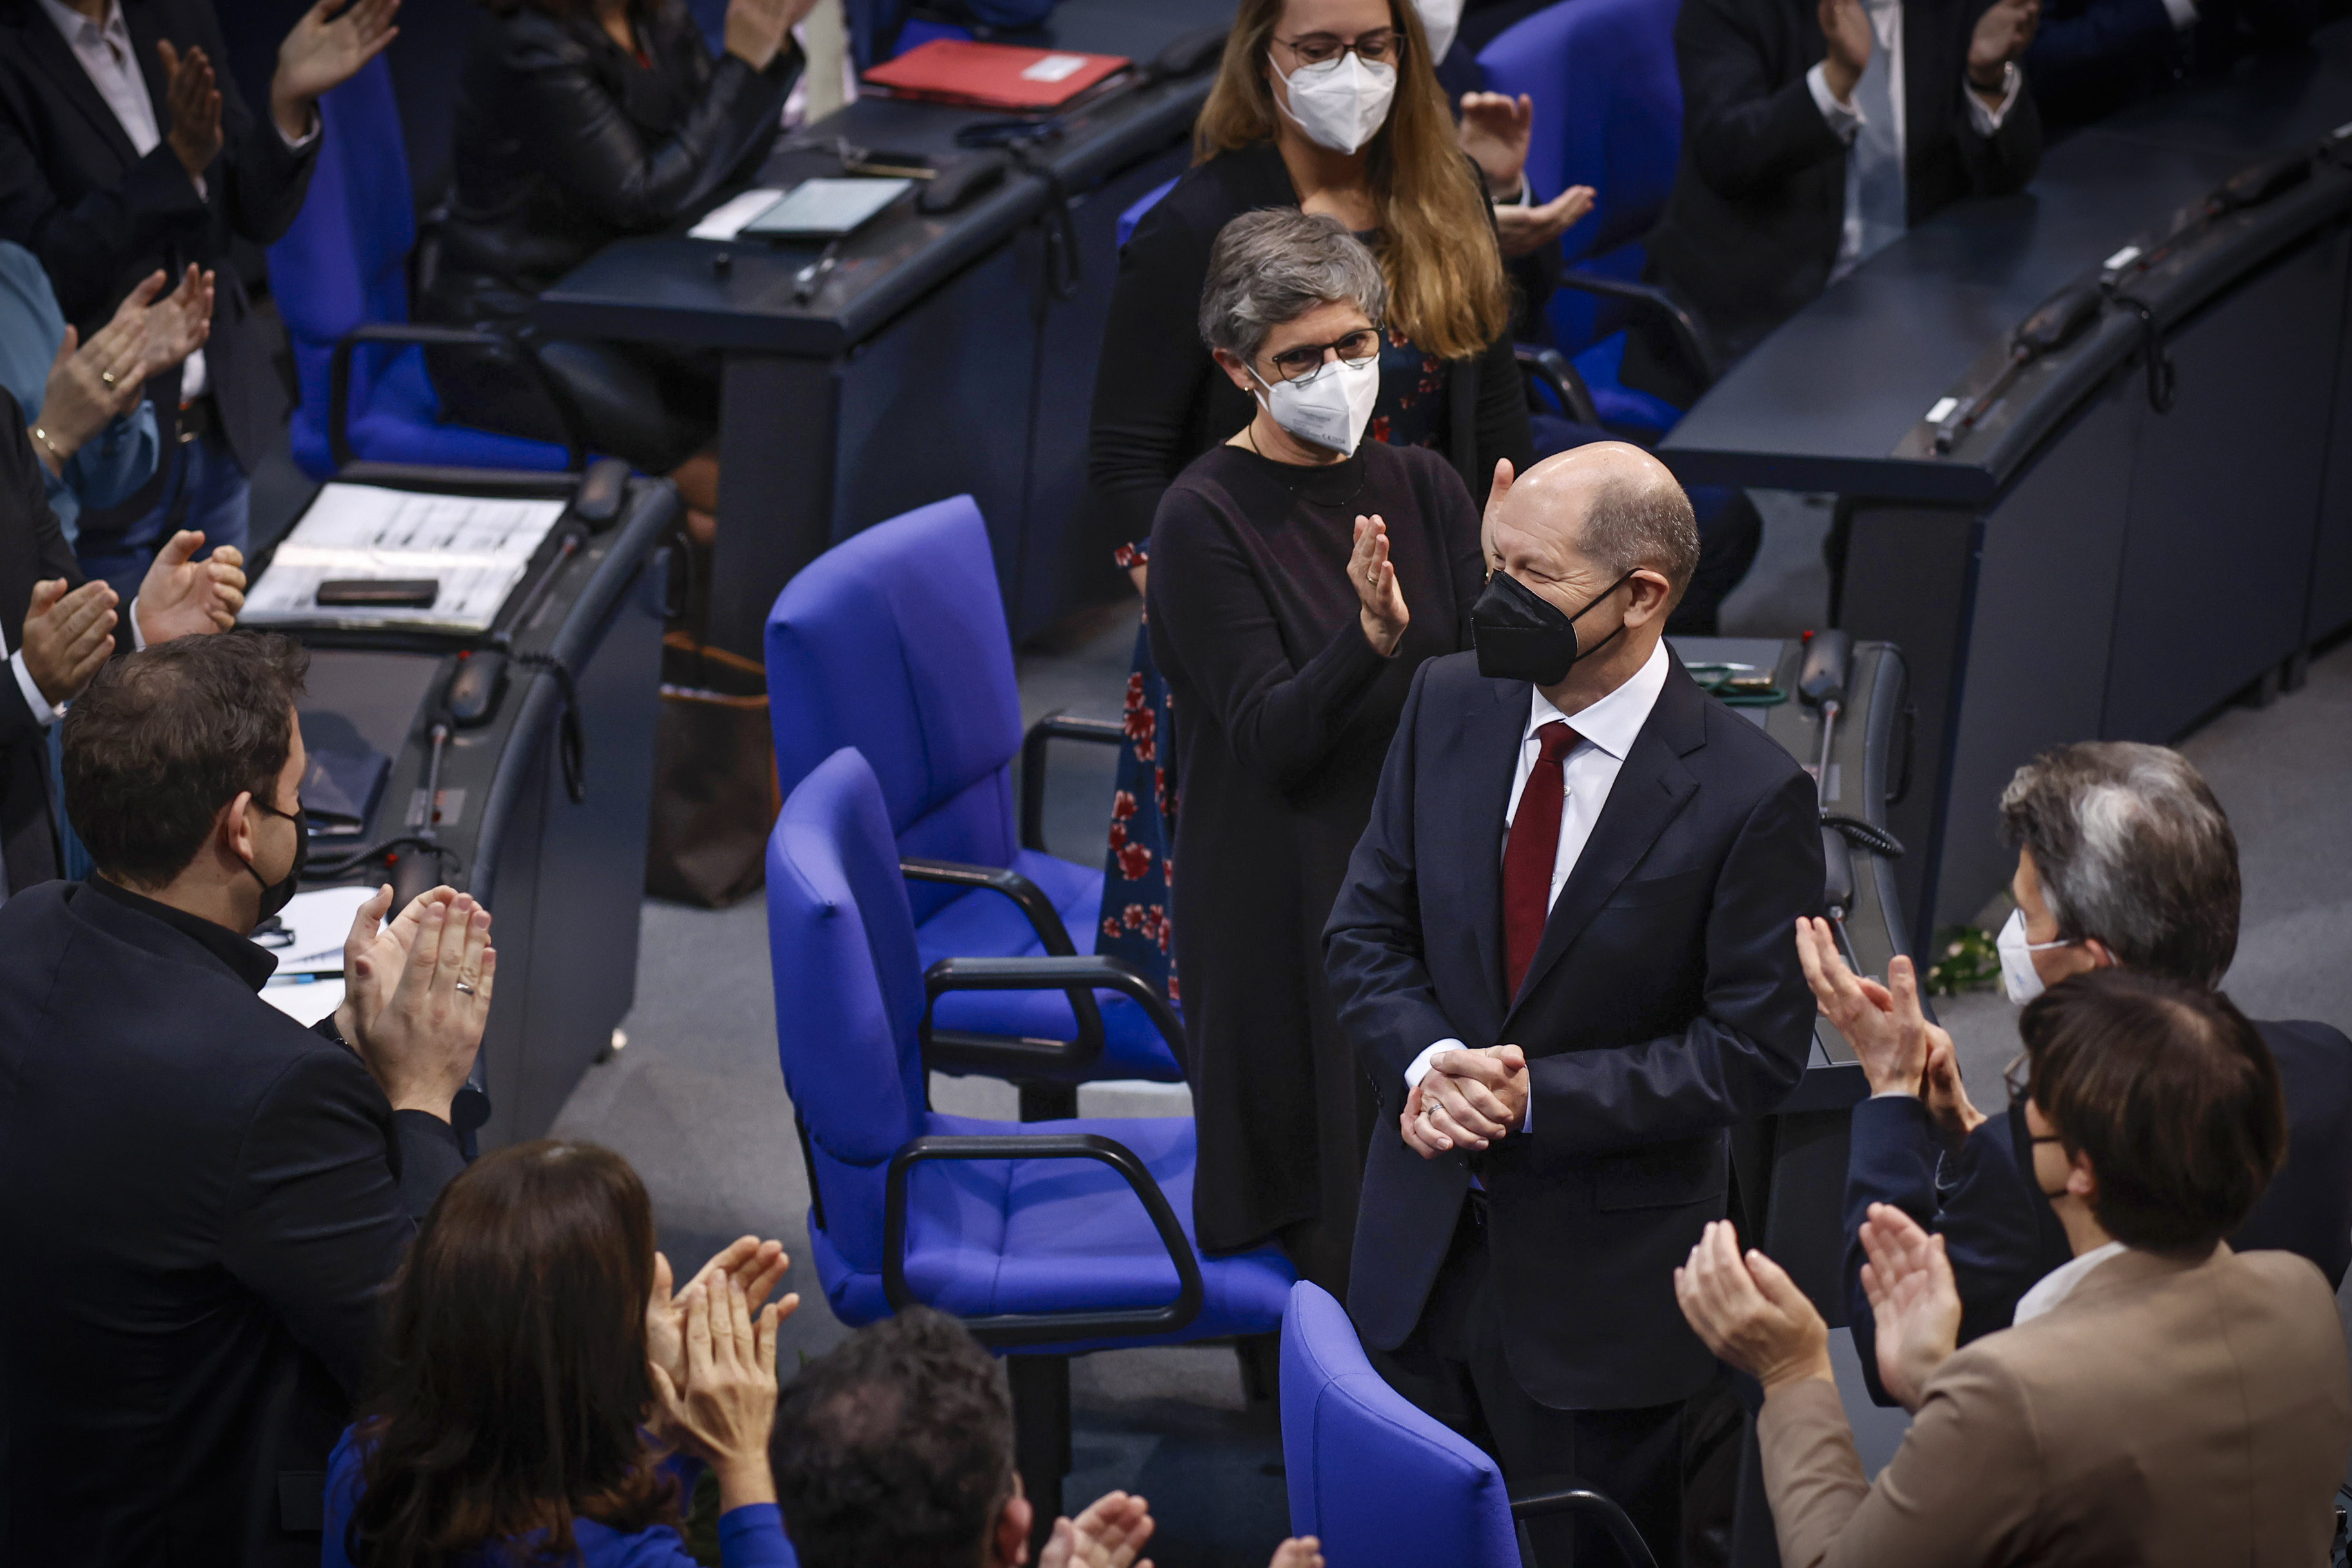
(1372, 948)
(2070, 52)
(263, 181)
(1502, 428)
(1209, 608)
(1150, 372)
(2005, 160)
(325, 1203)
(1890, 1158)
(575, 130)
(1746, 135)
(85, 246)
(1746, 1048)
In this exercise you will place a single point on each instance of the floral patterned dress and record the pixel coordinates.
(1411, 411)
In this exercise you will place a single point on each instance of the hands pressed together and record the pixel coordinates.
(1467, 1098)
(418, 992)
(92, 384)
(1382, 611)
(712, 1354)
(1114, 1527)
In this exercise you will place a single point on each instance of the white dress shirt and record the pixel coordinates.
(1605, 730)
(105, 51)
(1846, 119)
(2058, 1283)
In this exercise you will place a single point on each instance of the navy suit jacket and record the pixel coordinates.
(2002, 1236)
(203, 1200)
(1664, 1005)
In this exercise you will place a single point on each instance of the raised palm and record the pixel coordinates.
(329, 45)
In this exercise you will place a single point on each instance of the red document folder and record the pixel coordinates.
(994, 76)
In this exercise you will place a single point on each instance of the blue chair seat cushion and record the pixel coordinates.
(984, 922)
(987, 1237)
(1619, 406)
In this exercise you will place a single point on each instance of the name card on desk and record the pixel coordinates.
(477, 548)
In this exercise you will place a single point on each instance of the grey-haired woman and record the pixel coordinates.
(1300, 575)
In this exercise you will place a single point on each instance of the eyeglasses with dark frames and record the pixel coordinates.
(1306, 361)
(1378, 47)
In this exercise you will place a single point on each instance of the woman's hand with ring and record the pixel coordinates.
(1382, 612)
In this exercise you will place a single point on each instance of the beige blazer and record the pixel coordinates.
(2163, 1413)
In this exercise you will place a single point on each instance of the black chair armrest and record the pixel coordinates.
(1663, 310)
(1093, 971)
(1611, 1518)
(1043, 918)
(1011, 1329)
(1056, 726)
(1552, 368)
(481, 338)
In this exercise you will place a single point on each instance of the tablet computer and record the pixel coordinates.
(826, 209)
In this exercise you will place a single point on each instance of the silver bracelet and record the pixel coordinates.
(42, 437)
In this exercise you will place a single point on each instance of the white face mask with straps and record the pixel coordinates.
(2018, 975)
(1340, 104)
(1332, 408)
(1441, 20)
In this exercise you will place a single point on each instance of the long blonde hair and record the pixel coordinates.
(1446, 288)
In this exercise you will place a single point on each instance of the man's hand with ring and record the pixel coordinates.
(1471, 1097)
(420, 1042)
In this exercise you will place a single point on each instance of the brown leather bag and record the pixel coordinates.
(715, 790)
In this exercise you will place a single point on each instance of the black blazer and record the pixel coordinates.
(33, 548)
(1752, 227)
(1159, 399)
(209, 1196)
(1665, 1003)
(563, 145)
(2001, 1233)
(100, 217)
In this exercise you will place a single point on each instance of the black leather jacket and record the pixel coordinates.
(564, 144)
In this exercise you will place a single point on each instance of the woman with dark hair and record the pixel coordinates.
(580, 122)
(1330, 107)
(535, 1372)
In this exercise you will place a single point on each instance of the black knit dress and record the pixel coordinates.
(1286, 716)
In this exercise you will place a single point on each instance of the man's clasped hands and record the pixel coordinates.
(1467, 1100)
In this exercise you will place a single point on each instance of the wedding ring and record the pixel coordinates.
(464, 989)
(107, 376)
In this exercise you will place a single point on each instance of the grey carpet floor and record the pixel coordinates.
(695, 1099)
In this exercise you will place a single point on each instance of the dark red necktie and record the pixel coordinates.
(1528, 855)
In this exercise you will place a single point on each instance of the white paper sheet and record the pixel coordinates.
(477, 547)
(320, 920)
(726, 220)
(304, 1001)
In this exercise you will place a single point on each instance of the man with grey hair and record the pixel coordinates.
(1562, 954)
(2124, 859)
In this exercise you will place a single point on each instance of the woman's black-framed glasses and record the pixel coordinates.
(2018, 1078)
(1306, 361)
(1379, 46)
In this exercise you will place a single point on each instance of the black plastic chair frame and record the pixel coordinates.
(1077, 976)
(1009, 1329)
(1054, 726)
(1552, 370)
(1611, 1518)
(1687, 333)
(480, 339)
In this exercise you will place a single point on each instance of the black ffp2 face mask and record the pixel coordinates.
(1522, 635)
(275, 895)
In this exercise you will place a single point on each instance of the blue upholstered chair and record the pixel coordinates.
(1608, 114)
(1049, 1239)
(1380, 1481)
(894, 641)
(340, 277)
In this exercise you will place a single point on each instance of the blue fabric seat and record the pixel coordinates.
(1041, 1254)
(895, 642)
(1379, 1480)
(1609, 109)
(343, 267)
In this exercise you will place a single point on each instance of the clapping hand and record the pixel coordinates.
(756, 29)
(1382, 614)
(1845, 28)
(1523, 231)
(192, 93)
(1494, 132)
(182, 596)
(1298, 1551)
(1913, 1299)
(1108, 1534)
(92, 384)
(757, 1265)
(2001, 34)
(179, 323)
(1466, 1098)
(1751, 1313)
(417, 1023)
(726, 1408)
(325, 49)
(66, 636)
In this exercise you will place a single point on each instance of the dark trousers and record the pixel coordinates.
(1452, 1366)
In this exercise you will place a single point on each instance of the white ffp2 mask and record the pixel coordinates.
(1441, 19)
(2019, 978)
(1332, 409)
(1340, 104)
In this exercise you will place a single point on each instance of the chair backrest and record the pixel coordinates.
(1608, 111)
(1141, 205)
(895, 641)
(849, 992)
(344, 261)
(1375, 1477)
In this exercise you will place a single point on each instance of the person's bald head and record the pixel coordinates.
(1583, 519)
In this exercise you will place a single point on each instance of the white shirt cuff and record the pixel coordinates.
(1894, 1094)
(43, 714)
(2182, 12)
(296, 143)
(138, 632)
(1988, 121)
(1843, 119)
